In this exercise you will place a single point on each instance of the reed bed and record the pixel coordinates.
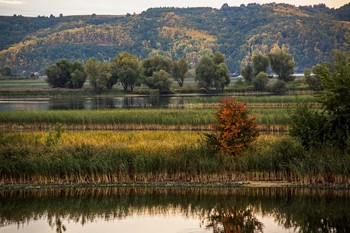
(135, 119)
(161, 156)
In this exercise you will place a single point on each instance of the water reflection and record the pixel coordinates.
(107, 102)
(215, 209)
(234, 220)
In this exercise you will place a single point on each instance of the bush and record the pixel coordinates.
(279, 88)
(234, 130)
(310, 126)
(260, 81)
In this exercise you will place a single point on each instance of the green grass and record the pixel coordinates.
(24, 83)
(115, 119)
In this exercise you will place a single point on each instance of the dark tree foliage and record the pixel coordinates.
(66, 74)
(160, 80)
(279, 88)
(332, 124)
(310, 126)
(102, 75)
(128, 70)
(282, 63)
(260, 63)
(6, 71)
(313, 79)
(260, 82)
(158, 73)
(157, 63)
(247, 73)
(180, 70)
(212, 72)
(205, 72)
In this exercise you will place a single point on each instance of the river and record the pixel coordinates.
(106, 102)
(175, 210)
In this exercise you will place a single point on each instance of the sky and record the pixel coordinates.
(122, 7)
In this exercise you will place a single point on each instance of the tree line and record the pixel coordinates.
(281, 63)
(157, 72)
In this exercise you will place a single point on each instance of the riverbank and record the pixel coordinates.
(247, 184)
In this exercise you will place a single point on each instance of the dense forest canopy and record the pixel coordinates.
(309, 33)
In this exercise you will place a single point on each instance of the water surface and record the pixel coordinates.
(181, 210)
(106, 102)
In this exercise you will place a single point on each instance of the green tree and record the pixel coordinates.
(128, 70)
(205, 72)
(282, 64)
(310, 126)
(160, 80)
(180, 70)
(260, 81)
(78, 75)
(66, 74)
(99, 74)
(335, 100)
(218, 58)
(247, 73)
(157, 73)
(332, 125)
(212, 72)
(314, 80)
(157, 63)
(260, 63)
(222, 76)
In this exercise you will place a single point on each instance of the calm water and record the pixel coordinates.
(181, 210)
(92, 103)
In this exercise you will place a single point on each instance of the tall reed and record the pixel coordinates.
(141, 119)
(161, 156)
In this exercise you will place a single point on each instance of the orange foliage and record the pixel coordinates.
(234, 130)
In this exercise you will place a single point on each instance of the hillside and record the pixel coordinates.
(308, 32)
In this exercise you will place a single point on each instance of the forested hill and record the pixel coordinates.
(308, 32)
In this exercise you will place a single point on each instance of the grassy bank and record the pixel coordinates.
(160, 156)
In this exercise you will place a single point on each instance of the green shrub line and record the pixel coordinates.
(26, 159)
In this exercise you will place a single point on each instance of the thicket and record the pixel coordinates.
(329, 125)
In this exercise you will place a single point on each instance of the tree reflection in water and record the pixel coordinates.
(233, 220)
(56, 223)
(224, 210)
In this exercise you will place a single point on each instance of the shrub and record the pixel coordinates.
(234, 130)
(260, 81)
(310, 126)
(279, 88)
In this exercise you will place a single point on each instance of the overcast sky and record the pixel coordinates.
(121, 7)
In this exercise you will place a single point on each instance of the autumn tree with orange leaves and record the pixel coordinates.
(234, 129)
